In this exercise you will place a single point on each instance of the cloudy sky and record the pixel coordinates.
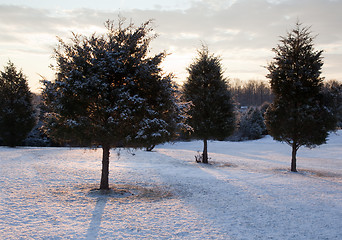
(242, 32)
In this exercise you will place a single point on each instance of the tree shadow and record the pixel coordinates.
(96, 219)
(102, 197)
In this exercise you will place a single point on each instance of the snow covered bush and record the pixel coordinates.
(17, 114)
(252, 124)
(37, 137)
(108, 92)
(332, 97)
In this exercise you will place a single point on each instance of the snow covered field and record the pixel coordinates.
(246, 193)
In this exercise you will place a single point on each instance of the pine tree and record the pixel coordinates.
(17, 115)
(211, 114)
(108, 92)
(298, 116)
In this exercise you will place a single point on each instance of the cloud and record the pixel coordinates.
(28, 20)
(242, 32)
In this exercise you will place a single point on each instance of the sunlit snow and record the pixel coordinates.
(247, 192)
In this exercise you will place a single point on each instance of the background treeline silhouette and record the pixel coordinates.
(250, 93)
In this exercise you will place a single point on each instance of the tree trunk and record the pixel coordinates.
(105, 168)
(294, 158)
(205, 152)
(150, 148)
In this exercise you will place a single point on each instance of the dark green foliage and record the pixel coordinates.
(37, 137)
(108, 92)
(211, 114)
(17, 115)
(332, 96)
(263, 108)
(298, 115)
(252, 124)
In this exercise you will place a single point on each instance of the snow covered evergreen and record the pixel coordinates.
(298, 115)
(211, 114)
(17, 115)
(108, 91)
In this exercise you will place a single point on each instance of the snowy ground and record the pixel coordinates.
(246, 193)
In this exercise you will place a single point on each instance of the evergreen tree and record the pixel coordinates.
(17, 115)
(211, 114)
(298, 116)
(108, 92)
(252, 124)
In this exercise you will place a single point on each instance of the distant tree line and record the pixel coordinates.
(251, 93)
